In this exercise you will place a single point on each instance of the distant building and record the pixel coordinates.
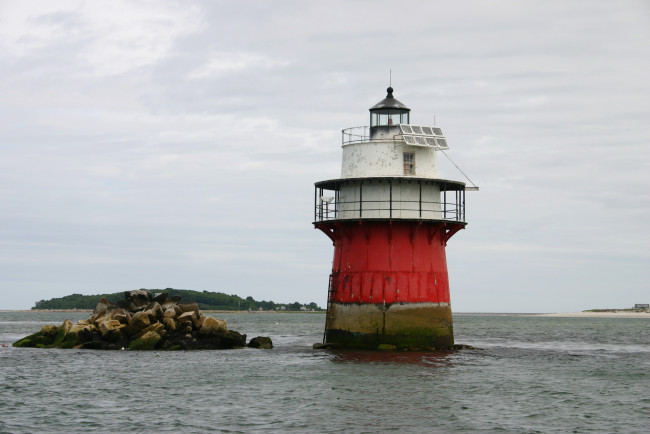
(642, 306)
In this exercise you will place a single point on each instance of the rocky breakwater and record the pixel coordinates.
(141, 322)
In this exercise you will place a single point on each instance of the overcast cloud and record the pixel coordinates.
(148, 144)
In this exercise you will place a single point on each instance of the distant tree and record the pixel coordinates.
(205, 300)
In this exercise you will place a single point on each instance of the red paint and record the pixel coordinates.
(387, 262)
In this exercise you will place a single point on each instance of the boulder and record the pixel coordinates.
(198, 321)
(67, 325)
(97, 318)
(82, 333)
(170, 324)
(139, 320)
(154, 311)
(262, 342)
(142, 322)
(62, 332)
(37, 339)
(157, 328)
(111, 330)
(49, 331)
(187, 318)
(161, 298)
(189, 307)
(137, 299)
(213, 326)
(148, 341)
(103, 306)
(170, 305)
(170, 313)
(120, 315)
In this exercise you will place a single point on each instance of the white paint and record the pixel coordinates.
(383, 156)
(377, 201)
(386, 158)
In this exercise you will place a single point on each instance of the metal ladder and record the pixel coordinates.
(329, 314)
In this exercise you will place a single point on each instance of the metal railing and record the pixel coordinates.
(355, 135)
(391, 209)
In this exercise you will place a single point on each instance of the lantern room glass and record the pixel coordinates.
(388, 117)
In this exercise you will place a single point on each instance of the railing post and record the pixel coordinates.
(360, 199)
(444, 202)
(420, 183)
(390, 212)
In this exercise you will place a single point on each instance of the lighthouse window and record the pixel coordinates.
(409, 163)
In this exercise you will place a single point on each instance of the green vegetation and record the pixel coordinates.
(205, 299)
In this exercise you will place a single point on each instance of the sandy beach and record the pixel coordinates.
(598, 315)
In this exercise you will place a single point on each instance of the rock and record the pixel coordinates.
(187, 317)
(213, 326)
(49, 331)
(111, 330)
(154, 311)
(83, 333)
(189, 307)
(170, 313)
(142, 322)
(38, 339)
(137, 299)
(325, 346)
(67, 325)
(170, 324)
(262, 342)
(61, 334)
(120, 315)
(139, 320)
(171, 305)
(96, 318)
(458, 347)
(233, 339)
(103, 306)
(198, 321)
(161, 298)
(157, 328)
(147, 342)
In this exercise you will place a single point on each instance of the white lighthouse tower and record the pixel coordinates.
(390, 216)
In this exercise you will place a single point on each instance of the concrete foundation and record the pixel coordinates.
(397, 326)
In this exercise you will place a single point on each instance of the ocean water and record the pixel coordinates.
(533, 374)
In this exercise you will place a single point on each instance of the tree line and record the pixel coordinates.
(205, 299)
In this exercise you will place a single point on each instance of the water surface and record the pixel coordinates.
(534, 374)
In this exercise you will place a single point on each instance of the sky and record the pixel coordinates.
(175, 144)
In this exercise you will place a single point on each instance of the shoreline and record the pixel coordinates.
(549, 315)
(596, 315)
(206, 310)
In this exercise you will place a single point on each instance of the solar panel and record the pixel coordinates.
(410, 140)
(423, 136)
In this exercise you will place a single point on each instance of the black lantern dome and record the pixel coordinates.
(388, 112)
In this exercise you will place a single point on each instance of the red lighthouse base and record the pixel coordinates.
(389, 286)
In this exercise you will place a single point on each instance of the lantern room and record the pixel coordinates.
(387, 113)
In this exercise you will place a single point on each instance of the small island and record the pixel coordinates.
(206, 300)
(143, 321)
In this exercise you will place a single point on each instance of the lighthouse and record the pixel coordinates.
(389, 216)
